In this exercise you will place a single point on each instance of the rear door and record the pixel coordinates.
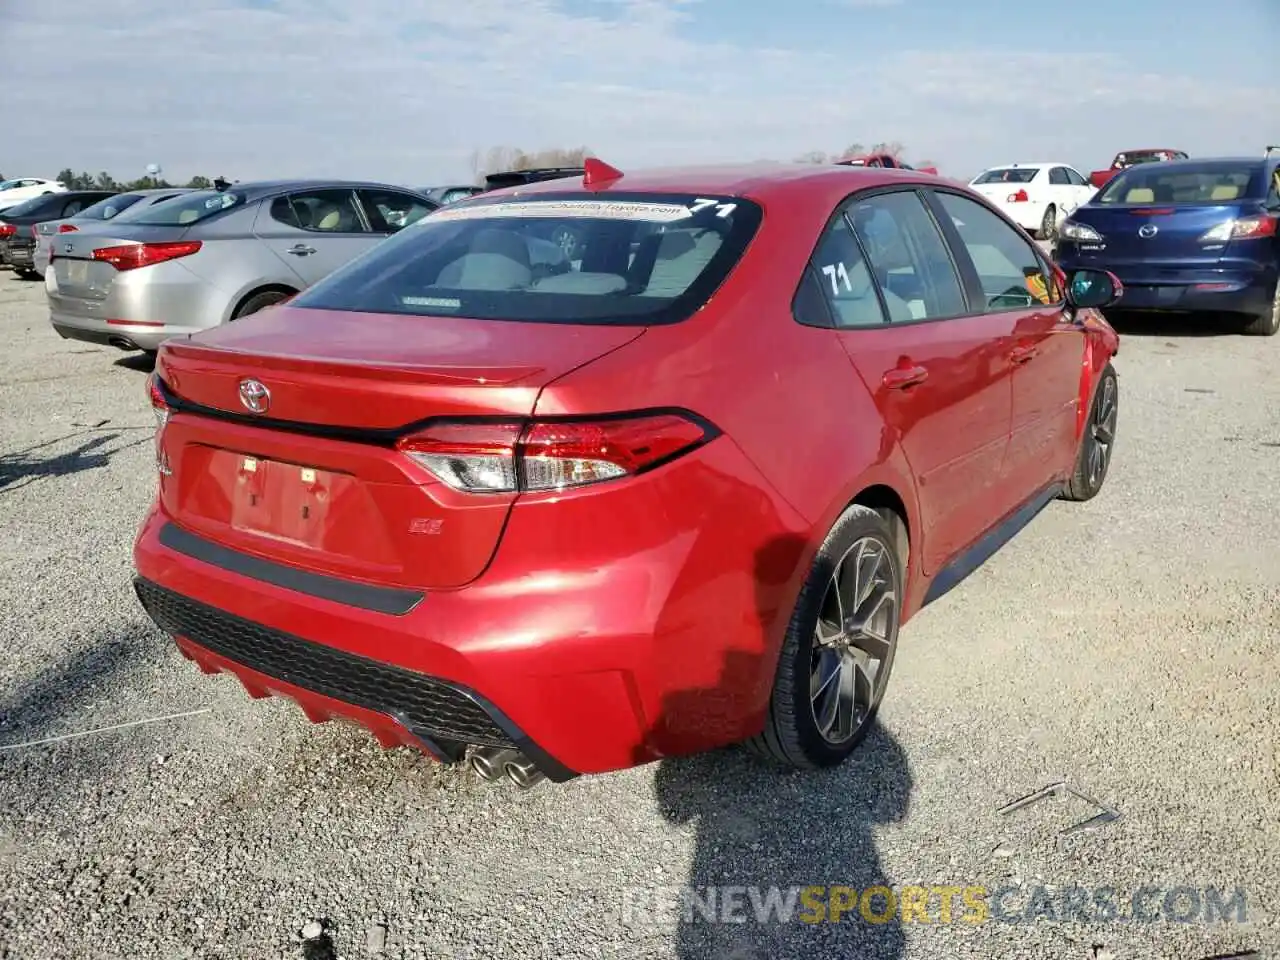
(940, 376)
(1021, 289)
(315, 231)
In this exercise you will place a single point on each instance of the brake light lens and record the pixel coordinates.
(1019, 197)
(7, 229)
(544, 455)
(67, 228)
(1245, 228)
(131, 256)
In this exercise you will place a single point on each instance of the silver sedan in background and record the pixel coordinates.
(212, 256)
(124, 205)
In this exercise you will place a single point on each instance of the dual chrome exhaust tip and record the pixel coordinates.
(494, 763)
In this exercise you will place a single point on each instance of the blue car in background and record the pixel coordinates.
(1187, 236)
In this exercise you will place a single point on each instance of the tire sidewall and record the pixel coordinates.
(1048, 226)
(853, 525)
(259, 301)
(1086, 447)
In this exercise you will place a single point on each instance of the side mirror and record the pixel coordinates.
(1093, 288)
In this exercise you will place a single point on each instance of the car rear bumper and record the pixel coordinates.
(142, 308)
(1192, 289)
(588, 652)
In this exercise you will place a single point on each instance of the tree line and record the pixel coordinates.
(498, 159)
(105, 181)
(482, 163)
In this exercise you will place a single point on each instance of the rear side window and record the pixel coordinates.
(189, 208)
(320, 211)
(562, 258)
(909, 257)
(1008, 175)
(110, 207)
(1162, 183)
(1012, 275)
(390, 210)
(846, 279)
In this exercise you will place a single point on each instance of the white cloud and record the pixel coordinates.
(406, 90)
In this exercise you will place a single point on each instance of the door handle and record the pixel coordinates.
(301, 250)
(900, 378)
(1022, 354)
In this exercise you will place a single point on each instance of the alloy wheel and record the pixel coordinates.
(1102, 431)
(854, 641)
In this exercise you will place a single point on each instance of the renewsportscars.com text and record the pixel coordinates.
(938, 904)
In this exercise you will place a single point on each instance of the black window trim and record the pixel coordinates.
(955, 241)
(312, 190)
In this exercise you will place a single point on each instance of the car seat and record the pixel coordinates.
(495, 260)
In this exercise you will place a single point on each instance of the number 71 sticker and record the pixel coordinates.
(722, 209)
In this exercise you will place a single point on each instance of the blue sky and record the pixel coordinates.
(406, 90)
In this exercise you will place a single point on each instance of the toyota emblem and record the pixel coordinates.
(1148, 230)
(255, 396)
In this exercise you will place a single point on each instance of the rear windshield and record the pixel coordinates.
(108, 208)
(562, 258)
(34, 205)
(188, 208)
(1163, 183)
(1008, 175)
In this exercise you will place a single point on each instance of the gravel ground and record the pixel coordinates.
(1129, 645)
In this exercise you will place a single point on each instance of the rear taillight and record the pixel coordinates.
(159, 407)
(131, 256)
(479, 457)
(1246, 228)
(7, 229)
(67, 228)
(1019, 197)
(35, 232)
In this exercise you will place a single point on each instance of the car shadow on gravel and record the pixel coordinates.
(771, 833)
(34, 463)
(139, 362)
(1134, 324)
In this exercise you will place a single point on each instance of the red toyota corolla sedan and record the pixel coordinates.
(565, 512)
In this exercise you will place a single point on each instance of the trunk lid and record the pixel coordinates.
(316, 481)
(78, 275)
(1139, 242)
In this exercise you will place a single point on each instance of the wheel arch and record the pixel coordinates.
(245, 297)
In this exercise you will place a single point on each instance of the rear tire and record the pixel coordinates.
(1094, 457)
(1266, 324)
(861, 554)
(260, 301)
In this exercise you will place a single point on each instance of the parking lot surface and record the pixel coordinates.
(1129, 645)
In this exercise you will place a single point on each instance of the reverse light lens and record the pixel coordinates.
(131, 256)
(475, 457)
(1245, 228)
(550, 455)
(161, 410)
(1079, 232)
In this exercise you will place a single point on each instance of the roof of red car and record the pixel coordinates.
(765, 182)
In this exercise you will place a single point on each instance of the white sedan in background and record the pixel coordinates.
(1037, 196)
(23, 189)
